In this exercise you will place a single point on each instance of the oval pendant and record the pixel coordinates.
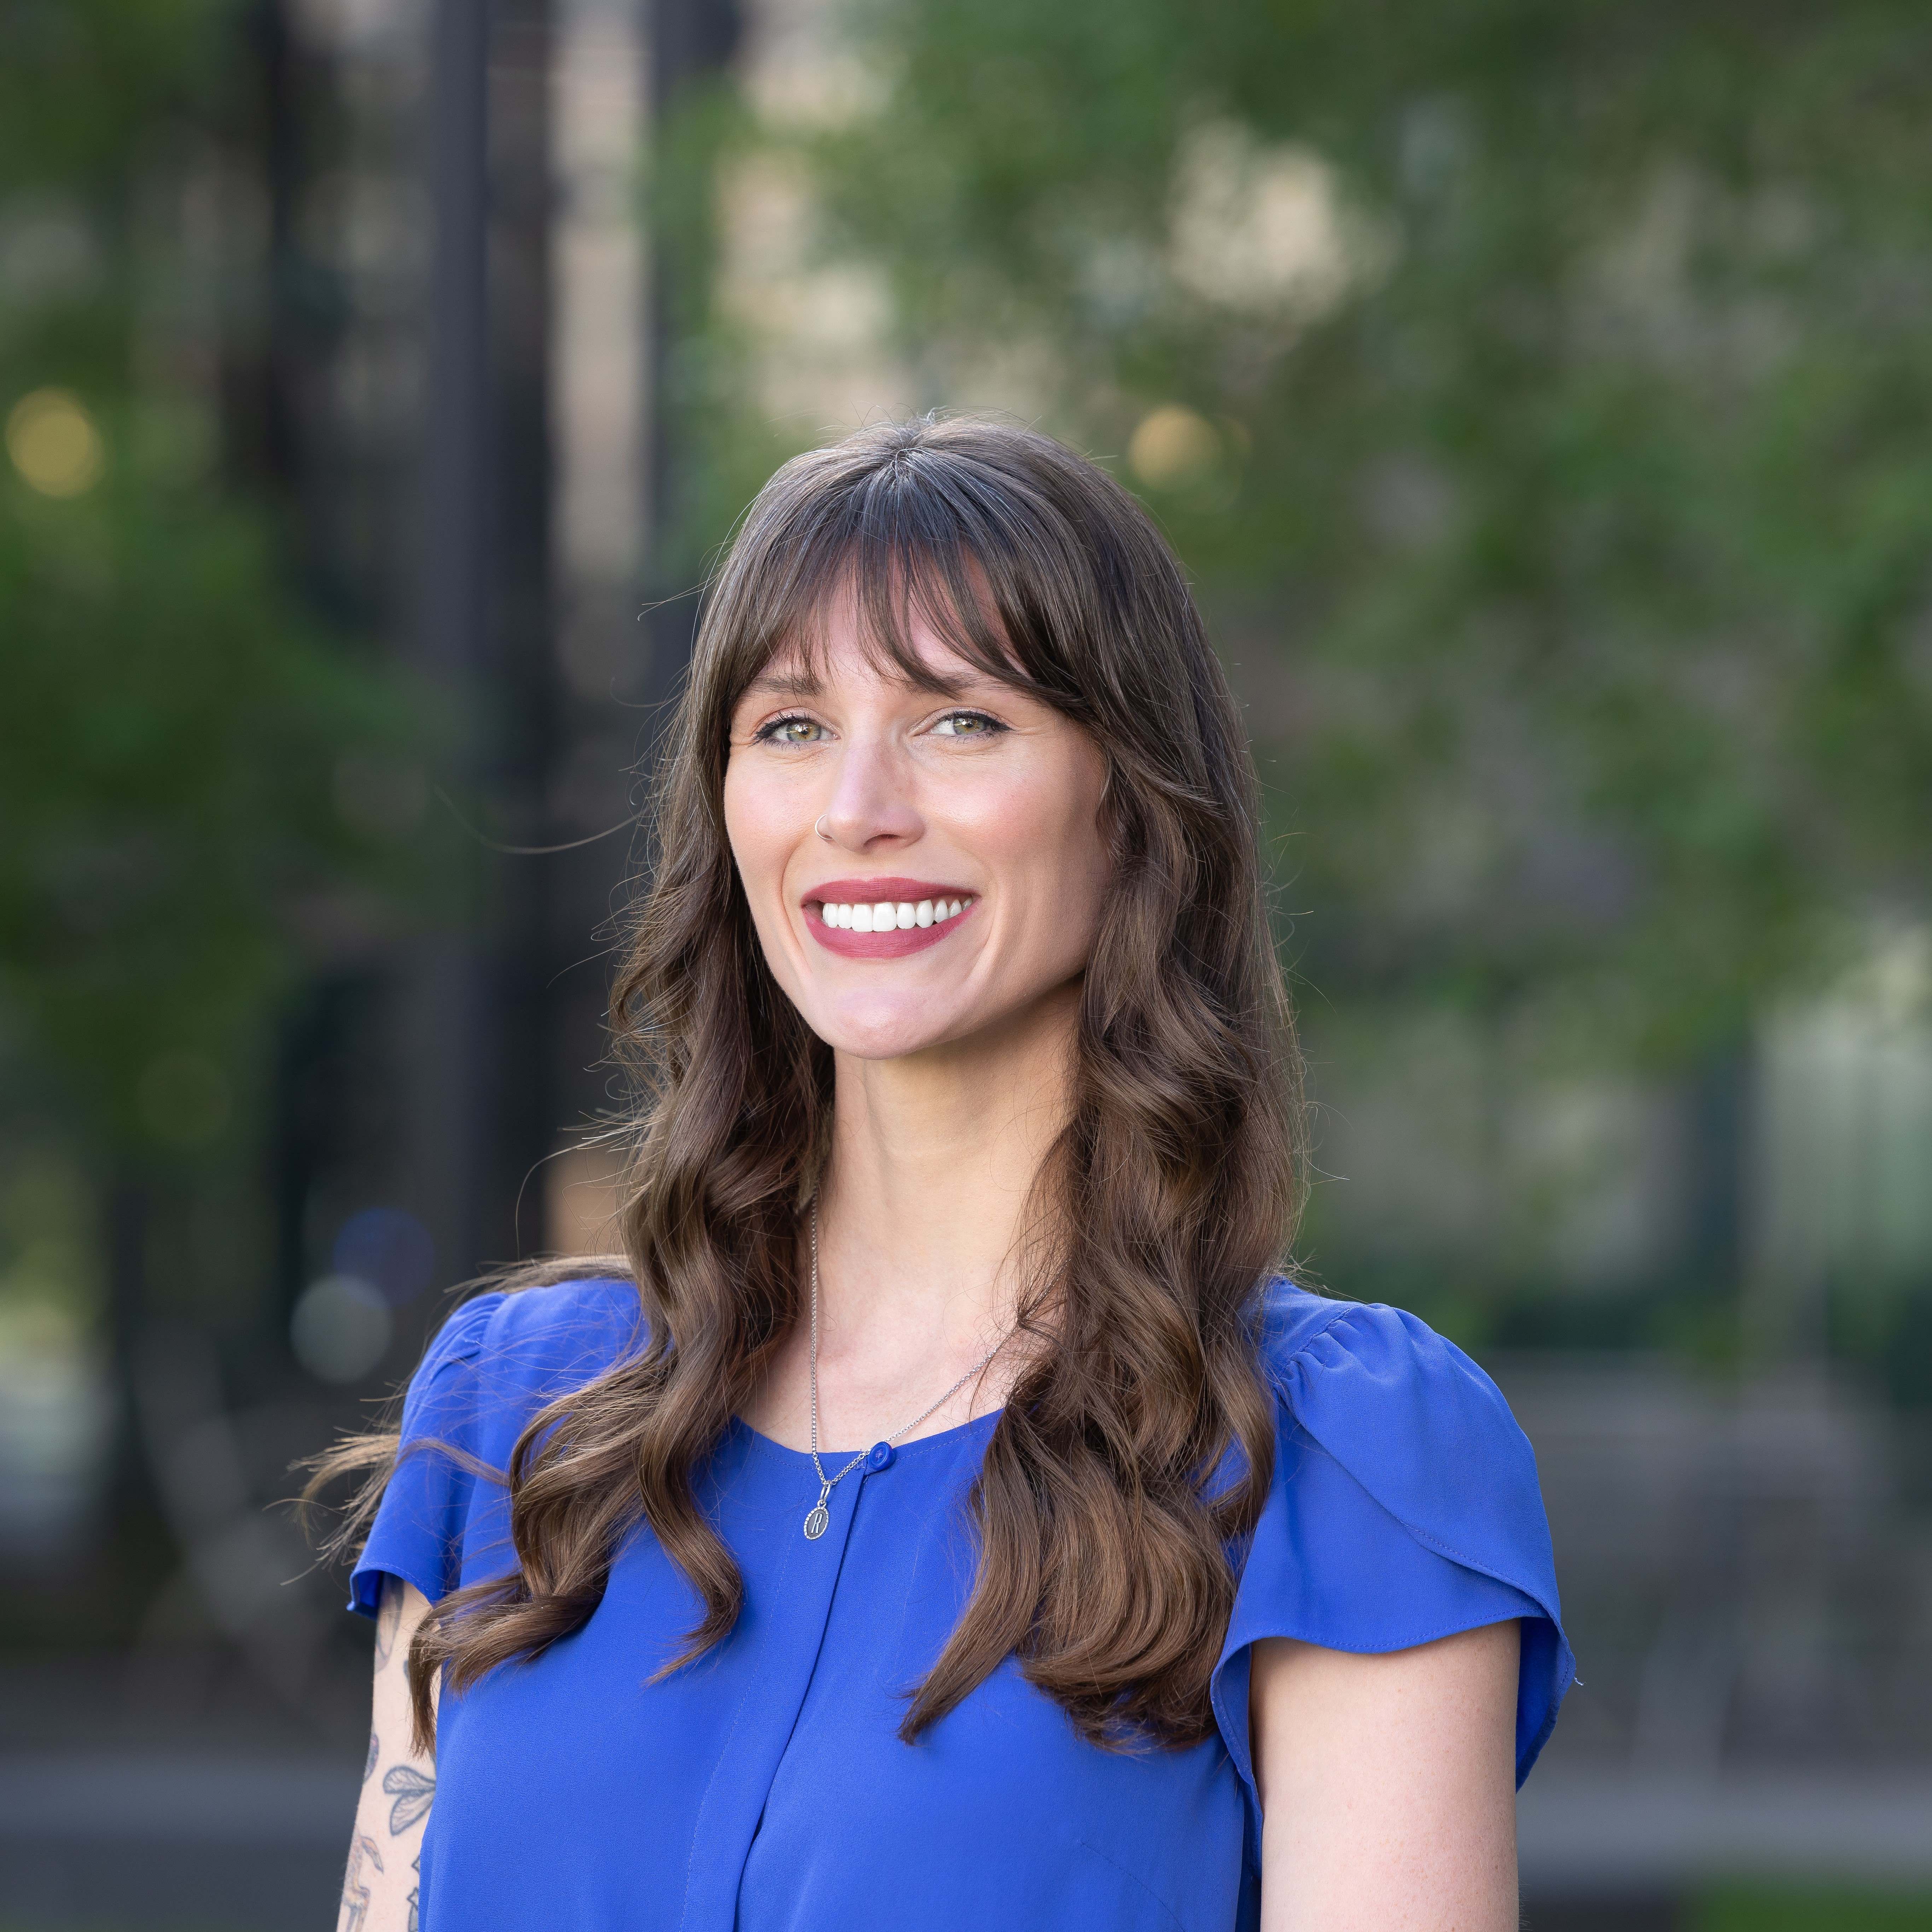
(816, 1523)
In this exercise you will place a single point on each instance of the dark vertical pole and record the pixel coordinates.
(690, 39)
(448, 1041)
(128, 1214)
(1719, 1108)
(266, 411)
(456, 527)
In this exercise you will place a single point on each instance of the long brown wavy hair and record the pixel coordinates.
(1135, 1448)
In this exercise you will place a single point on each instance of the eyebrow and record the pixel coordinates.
(785, 684)
(799, 684)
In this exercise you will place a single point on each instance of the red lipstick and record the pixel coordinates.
(895, 942)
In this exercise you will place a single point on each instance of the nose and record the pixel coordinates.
(871, 804)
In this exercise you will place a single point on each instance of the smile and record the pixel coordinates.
(884, 915)
(884, 919)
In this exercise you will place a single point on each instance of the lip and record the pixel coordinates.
(896, 943)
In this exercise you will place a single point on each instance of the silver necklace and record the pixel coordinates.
(879, 1454)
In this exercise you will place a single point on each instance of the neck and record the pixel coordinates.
(934, 1160)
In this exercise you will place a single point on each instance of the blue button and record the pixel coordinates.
(881, 1456)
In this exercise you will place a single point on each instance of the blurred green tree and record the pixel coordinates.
(1540, 392)
(186, 755)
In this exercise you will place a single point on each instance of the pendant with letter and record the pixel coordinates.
(820, 1518)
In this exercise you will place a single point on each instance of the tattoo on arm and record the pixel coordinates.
(369, 1764)
(414, 1791)
(415, 1866)
(354, 1893)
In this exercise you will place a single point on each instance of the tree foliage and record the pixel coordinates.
(1547, 400)
(172, 723)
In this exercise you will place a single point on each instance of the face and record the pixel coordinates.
(954, 877)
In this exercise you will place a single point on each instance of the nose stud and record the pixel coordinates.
(818, 826)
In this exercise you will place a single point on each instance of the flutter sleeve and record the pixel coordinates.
(1404, 1506)
(444, 1518)
(419, 1531)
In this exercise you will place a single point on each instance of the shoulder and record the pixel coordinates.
(515, 1348)
(1413, 1423)
(1381, 1391)
(1404, 1504)
(492, 1365)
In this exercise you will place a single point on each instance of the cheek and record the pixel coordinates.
(763, 835)
(752, 823)
(1045, 832)
(761, 831)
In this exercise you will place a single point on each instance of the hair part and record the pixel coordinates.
(1135, 1449)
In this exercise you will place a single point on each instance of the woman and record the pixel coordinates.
(943, 1515)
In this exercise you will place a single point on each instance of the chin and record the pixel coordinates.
(882, 1030)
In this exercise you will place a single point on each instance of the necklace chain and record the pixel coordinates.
(816, 1522)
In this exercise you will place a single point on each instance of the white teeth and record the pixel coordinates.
(889, 916)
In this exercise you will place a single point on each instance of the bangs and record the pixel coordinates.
(929, 541)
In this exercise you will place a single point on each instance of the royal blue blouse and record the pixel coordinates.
(765, 1788)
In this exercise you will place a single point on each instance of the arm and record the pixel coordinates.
(379, 1891)
(1387, 1785)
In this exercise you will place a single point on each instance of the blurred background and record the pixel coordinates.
(1540, 394)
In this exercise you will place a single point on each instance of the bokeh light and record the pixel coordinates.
(1173, 447)
(340, 1328)
(390, 1250)
(55, 445)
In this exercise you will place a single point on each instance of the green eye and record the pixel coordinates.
(967, 724)
(790, 731)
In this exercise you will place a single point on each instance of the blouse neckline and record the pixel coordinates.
(831, 1458)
